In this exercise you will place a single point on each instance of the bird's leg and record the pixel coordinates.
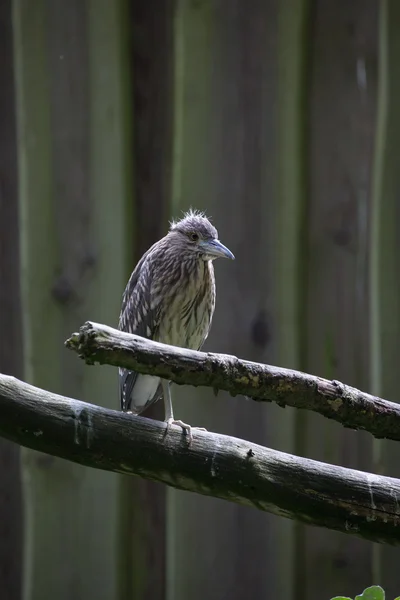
(169, 414)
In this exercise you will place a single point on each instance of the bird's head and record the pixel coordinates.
(195, 234)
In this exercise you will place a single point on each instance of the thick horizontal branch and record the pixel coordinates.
(347, 405)
(215, 465)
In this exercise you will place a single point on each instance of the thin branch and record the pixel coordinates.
(215, 465)
(347, 405)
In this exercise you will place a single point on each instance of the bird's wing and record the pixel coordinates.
(137, 316)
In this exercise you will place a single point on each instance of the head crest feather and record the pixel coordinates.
(192, 213)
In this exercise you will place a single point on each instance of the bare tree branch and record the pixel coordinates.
(347, 405)
(215, 465)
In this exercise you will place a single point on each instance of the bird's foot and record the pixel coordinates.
(186, 428)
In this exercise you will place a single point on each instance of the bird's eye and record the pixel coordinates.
(194, 237)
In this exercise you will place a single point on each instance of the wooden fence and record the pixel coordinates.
(280, 119)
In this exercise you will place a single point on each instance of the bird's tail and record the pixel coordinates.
(125, 389)
(146, 393)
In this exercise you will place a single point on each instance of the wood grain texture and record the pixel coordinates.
(36, 265)
(236, 470)
(349, 406)
(205, 102)
(341, 122)
(74, 189)
(289, 251)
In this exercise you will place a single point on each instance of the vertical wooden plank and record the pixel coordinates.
(224, 163)
(289, 249)
(341, 126)
(144, 510)
(197, 531)
(385, 264)
(152, 65)
(111, 193)
(246, 206)
(71, 98)
(10, 314)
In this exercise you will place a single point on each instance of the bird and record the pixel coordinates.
(170, 298)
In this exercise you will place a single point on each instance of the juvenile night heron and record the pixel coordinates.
(170, 298)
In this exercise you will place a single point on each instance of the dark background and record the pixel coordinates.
(280, 120)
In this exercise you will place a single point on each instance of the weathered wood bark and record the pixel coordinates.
(332, 399)
(215, 465)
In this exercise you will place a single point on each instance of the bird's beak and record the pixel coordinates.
(216, 249)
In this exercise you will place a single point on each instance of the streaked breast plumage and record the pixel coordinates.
(170, 298)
